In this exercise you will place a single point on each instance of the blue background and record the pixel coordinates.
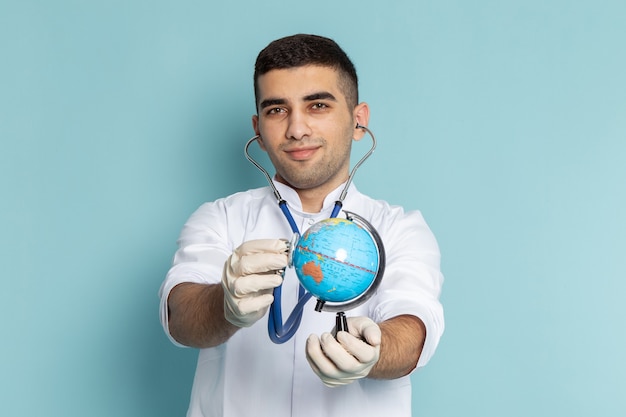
(503, 121)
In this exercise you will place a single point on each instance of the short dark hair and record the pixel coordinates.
(302, 49)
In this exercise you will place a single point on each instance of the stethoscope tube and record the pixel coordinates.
(278, 331)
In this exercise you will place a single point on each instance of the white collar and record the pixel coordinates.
(293, 199)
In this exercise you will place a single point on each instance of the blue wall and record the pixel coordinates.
(504, 122)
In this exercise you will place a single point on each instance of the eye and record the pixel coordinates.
(319, 106)
(275, 110)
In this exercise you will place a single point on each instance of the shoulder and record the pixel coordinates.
(219, 216)
(383, 213)
(237, 202)
(394, 223)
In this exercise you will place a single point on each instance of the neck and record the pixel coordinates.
(312, 202)
(312, 199)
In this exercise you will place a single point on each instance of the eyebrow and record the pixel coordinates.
(322, 95)
(272, 102)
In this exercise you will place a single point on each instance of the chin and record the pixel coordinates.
(302, 184)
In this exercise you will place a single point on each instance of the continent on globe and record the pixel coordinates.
(313, 270)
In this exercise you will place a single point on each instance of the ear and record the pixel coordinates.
(361, 116)
(257, 131)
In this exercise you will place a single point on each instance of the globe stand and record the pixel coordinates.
(341, 323)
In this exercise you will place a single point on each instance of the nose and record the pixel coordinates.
(298, 126)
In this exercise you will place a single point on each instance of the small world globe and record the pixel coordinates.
(336, 260)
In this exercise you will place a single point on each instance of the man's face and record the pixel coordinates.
(306, 126)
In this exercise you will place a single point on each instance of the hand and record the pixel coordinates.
(350, 357)
(250, 275)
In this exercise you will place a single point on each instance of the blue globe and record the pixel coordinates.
(336, 260)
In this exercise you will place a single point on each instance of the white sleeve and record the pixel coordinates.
(202, 250)
(412, 280)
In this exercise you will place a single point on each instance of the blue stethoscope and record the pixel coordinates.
(280, 332)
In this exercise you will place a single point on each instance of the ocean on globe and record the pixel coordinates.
(336, 260)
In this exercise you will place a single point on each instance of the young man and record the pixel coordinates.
(231, 253)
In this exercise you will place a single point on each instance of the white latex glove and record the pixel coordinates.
(250, 275)
(348, 358)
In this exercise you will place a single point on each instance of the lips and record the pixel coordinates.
(301, 154)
